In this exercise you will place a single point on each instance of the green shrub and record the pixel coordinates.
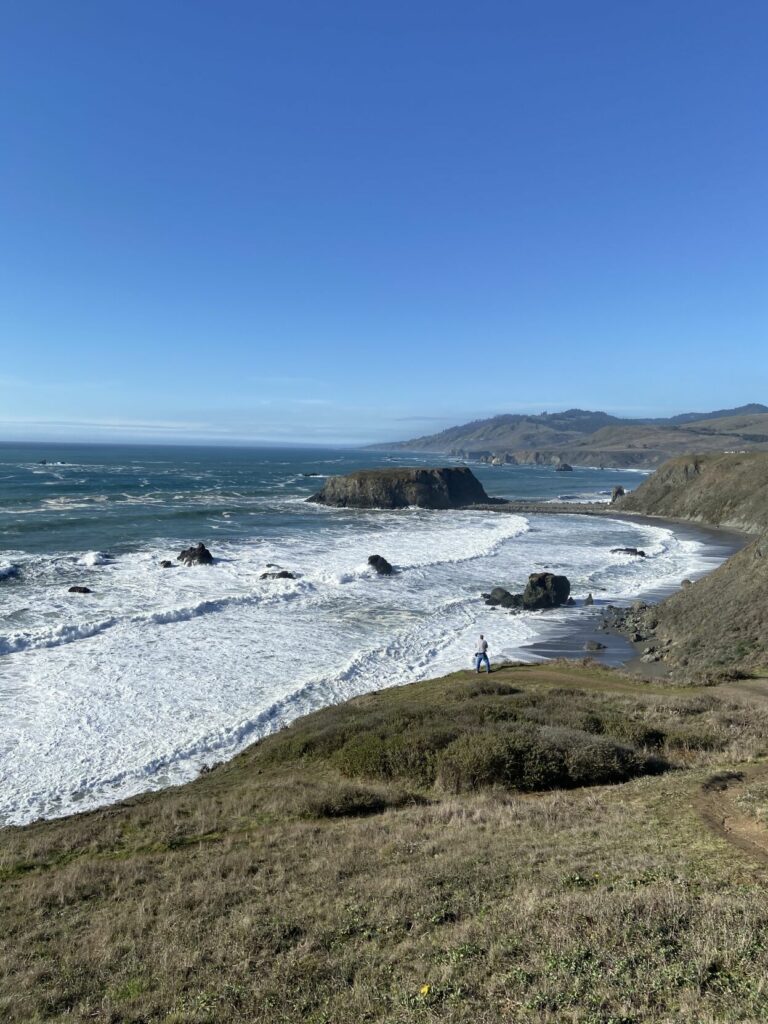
(473, 761)
(346, 801)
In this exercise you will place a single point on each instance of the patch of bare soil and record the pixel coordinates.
(716, 805)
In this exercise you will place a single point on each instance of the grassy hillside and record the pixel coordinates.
(724, 490)
(597, 438)
(395, 859)
(721, 621)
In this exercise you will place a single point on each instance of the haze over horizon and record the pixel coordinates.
(335, 224)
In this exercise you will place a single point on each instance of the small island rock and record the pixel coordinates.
(80, 590)
(447, 487)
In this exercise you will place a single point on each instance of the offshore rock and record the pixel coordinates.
(637, 552)
(380, 564)
(198, 554)
(564, 467)
(80, 590)
(447, 487)
(282, 574)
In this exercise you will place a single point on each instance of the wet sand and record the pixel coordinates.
(572, 640)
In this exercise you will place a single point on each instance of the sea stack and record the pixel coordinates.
(447, 487)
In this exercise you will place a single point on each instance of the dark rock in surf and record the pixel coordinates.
(166, 564)
(198, 554)
(589, 599)
(546, 590)
(637, 552)
(594, 645)
(80, 590)
(283, 574)
(380, 564)
(448, 487)
(501, 598)
(543, 590)
(564, 467)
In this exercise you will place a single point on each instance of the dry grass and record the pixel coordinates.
(276, 889)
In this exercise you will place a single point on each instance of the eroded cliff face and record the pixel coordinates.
(727, 489)
(446, 487)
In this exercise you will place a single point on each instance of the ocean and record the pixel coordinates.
(159, 672)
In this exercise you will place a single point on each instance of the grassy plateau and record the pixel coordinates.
(552, 843)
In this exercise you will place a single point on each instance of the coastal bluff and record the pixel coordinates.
(720, 622)
(439, 488)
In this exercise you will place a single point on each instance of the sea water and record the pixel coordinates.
(158, 672)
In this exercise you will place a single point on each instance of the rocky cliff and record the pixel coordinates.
(447, 487)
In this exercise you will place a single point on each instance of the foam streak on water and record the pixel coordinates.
(159, 671)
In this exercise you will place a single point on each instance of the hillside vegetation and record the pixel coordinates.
(721, 489)
(596, 438)
(720, 621)
(335, 874)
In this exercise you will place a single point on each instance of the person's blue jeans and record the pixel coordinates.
(479, 659)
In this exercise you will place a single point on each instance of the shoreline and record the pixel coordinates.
(566, 635)
(721, 543)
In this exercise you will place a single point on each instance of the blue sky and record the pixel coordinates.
(346, 221)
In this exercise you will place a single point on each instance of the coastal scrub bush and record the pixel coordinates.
(346, 801)
(529, 759)
(410, 755)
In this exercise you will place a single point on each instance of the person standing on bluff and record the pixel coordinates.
(482, 655)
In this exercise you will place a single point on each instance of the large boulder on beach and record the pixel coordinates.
(198, 554)
(446, 487)
(546, 590)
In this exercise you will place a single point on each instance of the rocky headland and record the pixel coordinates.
(440, 488)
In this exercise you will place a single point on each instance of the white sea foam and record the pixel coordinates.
(159, 671)
(93, 558)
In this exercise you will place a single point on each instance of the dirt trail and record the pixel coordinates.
(716, 801)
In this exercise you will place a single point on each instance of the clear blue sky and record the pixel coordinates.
(353, 221)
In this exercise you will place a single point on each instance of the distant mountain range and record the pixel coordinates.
(582, 437)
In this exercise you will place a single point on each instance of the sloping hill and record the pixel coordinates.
(721, 489)
(742, 410)
(595, 438)
(722, 619)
